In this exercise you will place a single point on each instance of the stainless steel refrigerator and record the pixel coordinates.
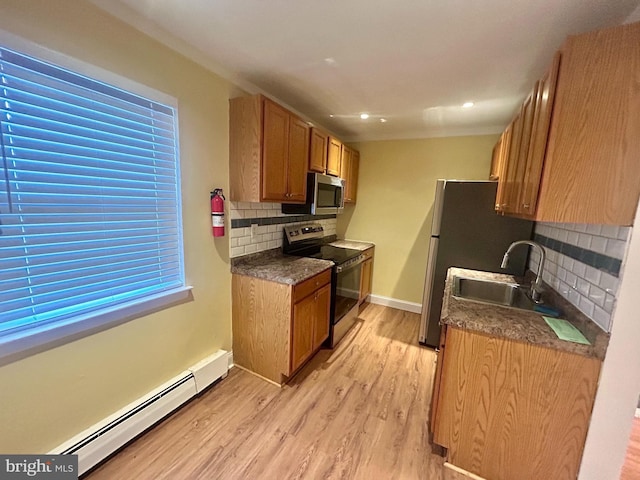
(466, 232)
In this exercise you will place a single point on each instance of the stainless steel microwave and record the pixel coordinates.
(325, 195)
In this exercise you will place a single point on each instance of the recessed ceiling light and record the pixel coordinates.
(467, 105)
(331, 116)
(383, 120)
(364, 116)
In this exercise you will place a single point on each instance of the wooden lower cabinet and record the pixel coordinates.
(278, 327)
(508, 410)
(366, 276)
(310, 325)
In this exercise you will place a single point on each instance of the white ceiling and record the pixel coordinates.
(412, 62)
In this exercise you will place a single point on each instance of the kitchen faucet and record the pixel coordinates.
(536, 285)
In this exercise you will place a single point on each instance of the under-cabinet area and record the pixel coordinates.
(510, 399)
(285, 307)
(279, 329)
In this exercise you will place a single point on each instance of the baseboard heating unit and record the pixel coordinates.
(102, 439)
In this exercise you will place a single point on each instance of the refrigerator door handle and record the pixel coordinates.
(428, 288)
(437, 207)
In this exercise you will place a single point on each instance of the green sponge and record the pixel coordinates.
(547, 310)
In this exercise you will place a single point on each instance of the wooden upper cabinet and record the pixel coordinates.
(345, 172)
(275, 152)
(334, 157)
(528, 111)
(496, 160)
(591, 172)
(354, 170)
(581, 163)
(268, 152)
(509, 200)
(349, 172)
(298, 158)
(515, 160)
(539, 136)
(505, 146)
(318, 151)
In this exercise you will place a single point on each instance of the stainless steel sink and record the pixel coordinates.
(487, 291)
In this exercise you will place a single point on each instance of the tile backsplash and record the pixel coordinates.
(258, 226)
(583, 264)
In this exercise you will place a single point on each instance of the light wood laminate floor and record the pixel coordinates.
(631, 467)
(358, 412)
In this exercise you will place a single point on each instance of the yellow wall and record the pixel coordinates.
(49, 397)
(395, 202)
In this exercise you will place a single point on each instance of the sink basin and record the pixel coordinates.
(487, 291)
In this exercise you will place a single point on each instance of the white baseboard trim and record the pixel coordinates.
(395, 303)
(103, 438)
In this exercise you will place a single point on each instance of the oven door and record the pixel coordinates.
(347, 287)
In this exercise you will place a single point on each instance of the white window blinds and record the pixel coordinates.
(89, 196)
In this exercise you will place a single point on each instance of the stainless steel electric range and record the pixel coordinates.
(308, 241)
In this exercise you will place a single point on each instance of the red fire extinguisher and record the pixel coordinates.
(217, 212)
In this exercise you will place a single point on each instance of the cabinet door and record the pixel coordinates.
(539, 136)
(592, 170)
(496, 157)
(345, 172)
(365, 279)
(318, 151)
(501, 195)
(334, 157)
(275, 152)
(304, 313)
(298, 160)
(437, 380)
(322, 315)
(528, 111)
(513, 410)
(511, 189)
(353, 175)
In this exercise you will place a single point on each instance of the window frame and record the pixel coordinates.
(20, 345)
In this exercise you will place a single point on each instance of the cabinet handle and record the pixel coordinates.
(525, 205)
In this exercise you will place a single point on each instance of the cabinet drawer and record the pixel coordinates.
(309, 286)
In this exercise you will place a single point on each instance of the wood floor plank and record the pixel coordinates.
(631, 467)
(357, 412)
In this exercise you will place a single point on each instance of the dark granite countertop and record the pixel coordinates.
(522, 325)
(354, 244)
(274, 266)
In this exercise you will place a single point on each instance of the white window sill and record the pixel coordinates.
(18, 346)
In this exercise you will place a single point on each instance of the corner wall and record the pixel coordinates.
(47, 398)
(394, 205)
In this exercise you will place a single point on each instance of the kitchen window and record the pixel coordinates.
(90, 221)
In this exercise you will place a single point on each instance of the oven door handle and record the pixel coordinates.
(349, 264)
